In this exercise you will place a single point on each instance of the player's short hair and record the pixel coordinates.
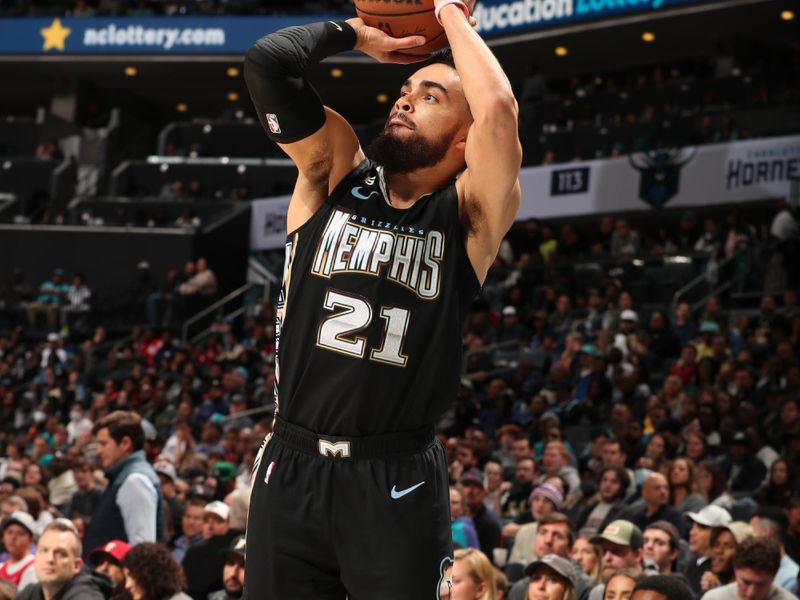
(759, 554)
(443, 57)
(674, 587)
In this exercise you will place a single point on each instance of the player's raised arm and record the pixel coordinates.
(320, 142)
(489, 190)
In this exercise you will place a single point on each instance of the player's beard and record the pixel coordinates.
(410, 152)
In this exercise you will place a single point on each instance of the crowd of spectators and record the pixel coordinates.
(594, 445)
(167, 8)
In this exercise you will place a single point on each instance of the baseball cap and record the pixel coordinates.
(199, 491)
(739, 529)
(217, 508)
(23, 519)
(710, 516)
(556, 563)
(551, 492)
(740, 437)
(166, 468)
(237, 546)
(53, 337)
(629, 315)
(590, 349)
(709, 327)
(114, 550)
(473, 476)
(224, 471)
(622, 533)
(509, 311)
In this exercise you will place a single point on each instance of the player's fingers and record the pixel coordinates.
(405, 43)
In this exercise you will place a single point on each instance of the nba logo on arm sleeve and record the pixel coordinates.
(272, 122)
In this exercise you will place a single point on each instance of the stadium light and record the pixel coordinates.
(787, 15)
(336, 72)
(233, 96)
(131, 71)
(182, 107)
(233, 72)
(561, 51)
(649, 36)
(382, 98)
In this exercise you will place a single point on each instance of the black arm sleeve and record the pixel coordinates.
(288, 106)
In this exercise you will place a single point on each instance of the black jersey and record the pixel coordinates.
(370, 315)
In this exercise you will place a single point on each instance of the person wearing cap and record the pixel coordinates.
(487, 523)
(108, 560)
(700, 542)
(661, 546)
(232, 572)
(724, 542)
(621, 544)
(754, 566)
(771, 522)
(510, 329)
(552, 577)
(18, 533)
(203, 563)
(555, 461)
(225, 473)
(167, 475)
(131, 507)
(546, 500)
(745, 471)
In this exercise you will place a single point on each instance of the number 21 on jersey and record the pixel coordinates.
(351, 315)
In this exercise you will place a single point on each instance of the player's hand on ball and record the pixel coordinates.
(384, 48)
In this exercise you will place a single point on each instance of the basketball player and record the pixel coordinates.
(383, 257)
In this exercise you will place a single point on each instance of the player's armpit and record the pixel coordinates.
(323, 159)
(489, 190)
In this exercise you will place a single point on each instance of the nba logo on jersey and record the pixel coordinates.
(272, 121)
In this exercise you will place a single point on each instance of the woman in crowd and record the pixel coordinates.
(551, 578)
(779, 486)
(620, 585)
(724, 542)
(473, 576)
(713, 484)
(684, 491)
(695, 447)
(654, 454)
(588, 556)
(152, 574)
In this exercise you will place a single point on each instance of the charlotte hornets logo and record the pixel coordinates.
(660, 173)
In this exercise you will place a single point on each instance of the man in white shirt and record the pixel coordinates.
(755, 564)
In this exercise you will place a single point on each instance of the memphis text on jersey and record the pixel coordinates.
(409, 256)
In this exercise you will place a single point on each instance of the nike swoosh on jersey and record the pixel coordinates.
(356, 191)
(397, 494)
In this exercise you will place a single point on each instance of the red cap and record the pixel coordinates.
(115, 549)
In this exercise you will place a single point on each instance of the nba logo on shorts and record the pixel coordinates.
(272, 121)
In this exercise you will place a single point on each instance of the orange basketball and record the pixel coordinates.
(400, 18)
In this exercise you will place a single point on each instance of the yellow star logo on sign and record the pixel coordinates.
(55, 35)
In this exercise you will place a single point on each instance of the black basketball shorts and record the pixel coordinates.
(359, 518)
